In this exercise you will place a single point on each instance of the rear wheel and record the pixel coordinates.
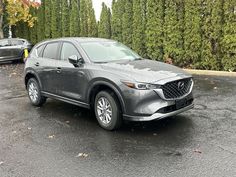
(107, 110)
(34, 93)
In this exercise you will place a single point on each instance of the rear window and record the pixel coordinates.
(4, 43)
(50, 50)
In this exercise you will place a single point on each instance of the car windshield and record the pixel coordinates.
(108, 51)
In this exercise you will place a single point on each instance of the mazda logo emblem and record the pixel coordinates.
(180, 85)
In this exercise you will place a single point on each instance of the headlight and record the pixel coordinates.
(141, 86)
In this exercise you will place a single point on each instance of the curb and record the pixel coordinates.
(211, 73)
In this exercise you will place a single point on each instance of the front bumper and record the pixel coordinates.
(157, 116)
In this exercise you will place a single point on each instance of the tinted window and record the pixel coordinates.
(17, 42)
(50, 51)
(68, 50)
(4, 43)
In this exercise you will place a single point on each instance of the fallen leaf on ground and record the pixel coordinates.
(1, 162)
(14, 132)
(197, 151)
(215, 88)
(84, 155)
(67, 122)
(51, 136)
(29, 128)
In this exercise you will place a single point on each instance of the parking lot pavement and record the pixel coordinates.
(64, 140)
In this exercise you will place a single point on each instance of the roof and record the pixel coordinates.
(81, 39)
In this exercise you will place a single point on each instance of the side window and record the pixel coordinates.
(15, 42)
(50, 50)
(39, 51)
(68, 50)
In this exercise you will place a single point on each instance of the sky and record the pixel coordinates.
(97, 4)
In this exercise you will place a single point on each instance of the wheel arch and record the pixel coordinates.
(98, 86)
(29, 75)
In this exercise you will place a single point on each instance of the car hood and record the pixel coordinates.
(144, 70)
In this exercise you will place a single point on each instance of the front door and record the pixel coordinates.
(70, 79)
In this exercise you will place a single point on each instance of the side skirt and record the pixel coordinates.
(64, 99)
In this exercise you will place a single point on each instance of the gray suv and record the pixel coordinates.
(107, 77)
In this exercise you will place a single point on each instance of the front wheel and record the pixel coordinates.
(34, 93)
(107, 110)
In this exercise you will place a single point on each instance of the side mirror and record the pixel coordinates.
(76, 61)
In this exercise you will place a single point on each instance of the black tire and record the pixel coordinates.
(116, 119)
(39, 100)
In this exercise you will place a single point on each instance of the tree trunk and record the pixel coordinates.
(1, 25)
(1, 19)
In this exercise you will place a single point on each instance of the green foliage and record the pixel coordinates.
(104, 28)
(92, 24)
(229, 36)
(116, 21)
(47, 18)
(55, 19)
(40, 22)
(65, 18)
(154, 29)
(173, 31)
(127, 19)
(192, 34)
(139, 23)
(83, 18)
(74, 19)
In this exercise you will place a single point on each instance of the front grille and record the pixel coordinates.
(177, 89)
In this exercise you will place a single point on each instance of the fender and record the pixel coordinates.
(32, 72)
(109, 84)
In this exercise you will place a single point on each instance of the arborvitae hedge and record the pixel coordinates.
(190, 33)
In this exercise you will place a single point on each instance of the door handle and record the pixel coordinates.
(58, 70)
(36, 64)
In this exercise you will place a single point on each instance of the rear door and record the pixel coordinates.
(16, 48)
(5, 51)
(47, 65)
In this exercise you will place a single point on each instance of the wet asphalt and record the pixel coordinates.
(62, 140)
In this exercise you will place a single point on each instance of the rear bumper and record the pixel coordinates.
(157, 116)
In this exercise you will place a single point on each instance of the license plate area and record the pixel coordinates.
(181, 103)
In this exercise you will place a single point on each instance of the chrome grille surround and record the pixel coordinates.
(177, 89)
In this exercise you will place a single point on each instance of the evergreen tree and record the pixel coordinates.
(127, 19)
(104, 29)
(47, 20)
(92, 24)
(65, 18)
(55, 18)
(83, 18)
(211, 22)
(229, 36)
(40, 22)
(116, 20)
(173, 31)
(192, 34)
(154, 29)
(74, 18)
(32, 33)
(139, 20)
